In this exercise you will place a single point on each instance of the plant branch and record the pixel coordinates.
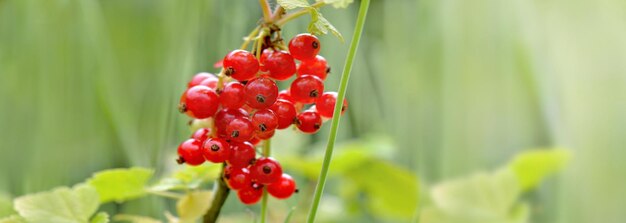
(266, 153)
(297, 14)
(265, 7)
(220, 193)
(343, 85)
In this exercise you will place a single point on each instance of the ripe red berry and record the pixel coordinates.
(280, 65)
(250, 195)
(309, 121)
(241, 154)
(216, 150)
(283, 188)
(304, 46)
(198, 78)
(265, 135)
(241, 65)
(264, 120)
(261, 93)
(285, 112)
(284, 94)
(306, 88)
(232, 95)
(238, 178)
(255, 140)
(201, 134)
(266, 170)
(225, 116)
(240, 129)
(325, 105)
(210, 82)
(189, 152)
(199, 102)
(316, 66)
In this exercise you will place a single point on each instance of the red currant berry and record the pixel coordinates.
(216, 150)
(261, 93)
(280, 65)
(266, 170)
(225, 116)
(240, 129)
(304, 46)
(241, 65)
(306, 88)
(266, 53)
(198, 78)
(316, 66)
(250, 195)
(309, 121)
(201, 134)
(283, 188)
(265, 135)
(241, 154)
(232, 95)
(189, 152)
(238, 178)
(325, 105)
(255, 140)
(210, 82)
(285, 112)
(264, 120)
(199, 102)
(284, 94)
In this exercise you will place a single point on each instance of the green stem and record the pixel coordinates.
(220, 193)
(343, 85)
(266, 153)
(265, 7)
(297, 14)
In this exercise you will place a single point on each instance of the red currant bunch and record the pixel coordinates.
(243, 106)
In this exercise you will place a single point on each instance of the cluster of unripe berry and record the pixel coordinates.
(246, 107)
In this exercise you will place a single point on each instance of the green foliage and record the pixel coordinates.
(120, 184)
(12, 219)
(193, 205)
(293, 4)
(320, 25)
(533, 166)
(101, 217)
(134, 219)
(337, 3)
(61, 205)
(6, 205)
(190, 177)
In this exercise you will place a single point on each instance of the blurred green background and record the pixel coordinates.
(455, 86)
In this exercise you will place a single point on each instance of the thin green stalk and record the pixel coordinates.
(343, 85)
(266, 153)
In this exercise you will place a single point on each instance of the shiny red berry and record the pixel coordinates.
(198, 78)
(216, 150)
(232, 95)
(309, 121)
(199, 102)
(264, 120)
(316, 66)
(201, 134)
(265, 135)
(285, 95)
(283, 188)
(225, 116)
(189, 152)
(241, 65)
(241, 154)
(304, 46)
(238, 178)
(240, 129)
(325, 105)
(250, 195)
(306, 89)
(280, 65)
(260, 93)
(285, 112)
(266, 170)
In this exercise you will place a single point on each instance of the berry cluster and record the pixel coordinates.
(246, 107)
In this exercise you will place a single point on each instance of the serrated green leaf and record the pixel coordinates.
(190, 177)
(292, 4)
(120, 184)
(320, 25)
(6, 205)
(337, 3)
(101, 217)
(61, 205)
(12, 219)
(193, 205)
(533, 166)
(134, 219)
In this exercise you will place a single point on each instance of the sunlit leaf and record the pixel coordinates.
(12, 219)
(134, 219)
(292, 4)
(193, 205)
(61, 205)
(120, 184)
(532, 167)
(320, 25)
(190, 177)
(101, 217)
(337, 3)
(6, 205)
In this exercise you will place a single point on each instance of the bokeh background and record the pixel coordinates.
(453, 86)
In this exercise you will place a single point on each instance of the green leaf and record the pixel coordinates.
(319, 25)
(12, 219)
(337, 3)
(61, 205)
(101, 217)
(190, 177)
(289, 215)
(292, 4)
(533, 166)
(134, 219)
(6, 205)
(121, 184)
(193, 205)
